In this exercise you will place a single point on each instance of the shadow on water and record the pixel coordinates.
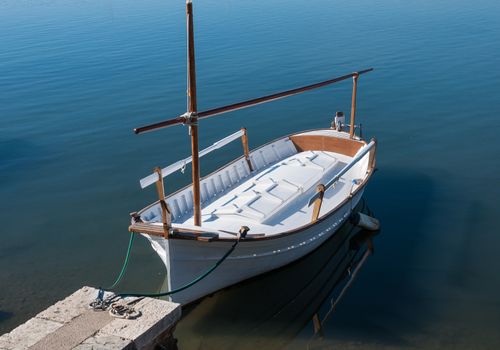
(467, 240)
(386, 302)
(270, 310)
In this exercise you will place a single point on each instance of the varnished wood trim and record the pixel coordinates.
(372, 161)
(317, 203)
(166, 215)
(193, 108)
(246, 153)
(353, 104)
(347, 147)
(141, 227)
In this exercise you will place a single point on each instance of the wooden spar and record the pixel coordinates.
(244, 141)
(192, 109)
(353, 105)
(245, 104)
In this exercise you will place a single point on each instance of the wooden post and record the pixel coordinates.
(244, 141)
(371, 159)
(166, 217)
(317, 203)
(316, 323)
(353, 105)
(192, 109)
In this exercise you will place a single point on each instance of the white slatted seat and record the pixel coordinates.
(265, 196)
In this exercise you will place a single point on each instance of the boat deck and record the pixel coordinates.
(277, 198)
(270, 200)
(274, 196)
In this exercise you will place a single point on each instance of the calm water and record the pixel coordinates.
(76, 77)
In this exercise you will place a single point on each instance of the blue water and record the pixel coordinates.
(76, 77)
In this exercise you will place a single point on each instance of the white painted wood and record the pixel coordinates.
(151, 179)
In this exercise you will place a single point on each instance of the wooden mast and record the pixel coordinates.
(192, 110)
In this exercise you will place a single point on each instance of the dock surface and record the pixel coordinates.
(72, 324)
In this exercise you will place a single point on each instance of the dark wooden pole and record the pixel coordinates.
(245, 104)
(353, 105)
(192, 109)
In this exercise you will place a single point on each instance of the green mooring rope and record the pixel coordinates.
(157, 295)
(186, 286)
(125, 263)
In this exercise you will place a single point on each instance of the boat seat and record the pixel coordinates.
(264, 197)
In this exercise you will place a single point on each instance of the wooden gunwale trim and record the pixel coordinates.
(280, 235)
(347, 146)
(283, 234)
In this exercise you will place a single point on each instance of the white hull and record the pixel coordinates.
(185, 260)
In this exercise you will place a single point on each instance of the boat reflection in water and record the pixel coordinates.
(270, 311)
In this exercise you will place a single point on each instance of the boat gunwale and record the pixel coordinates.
(197, 232)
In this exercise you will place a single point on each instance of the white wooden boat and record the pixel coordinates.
(277, 203)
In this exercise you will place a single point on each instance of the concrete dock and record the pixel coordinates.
(72, 324)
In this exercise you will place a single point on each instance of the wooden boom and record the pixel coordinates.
(245, 104)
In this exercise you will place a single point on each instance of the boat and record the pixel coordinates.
(267, 208)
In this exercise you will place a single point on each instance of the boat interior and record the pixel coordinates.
(270, 190)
